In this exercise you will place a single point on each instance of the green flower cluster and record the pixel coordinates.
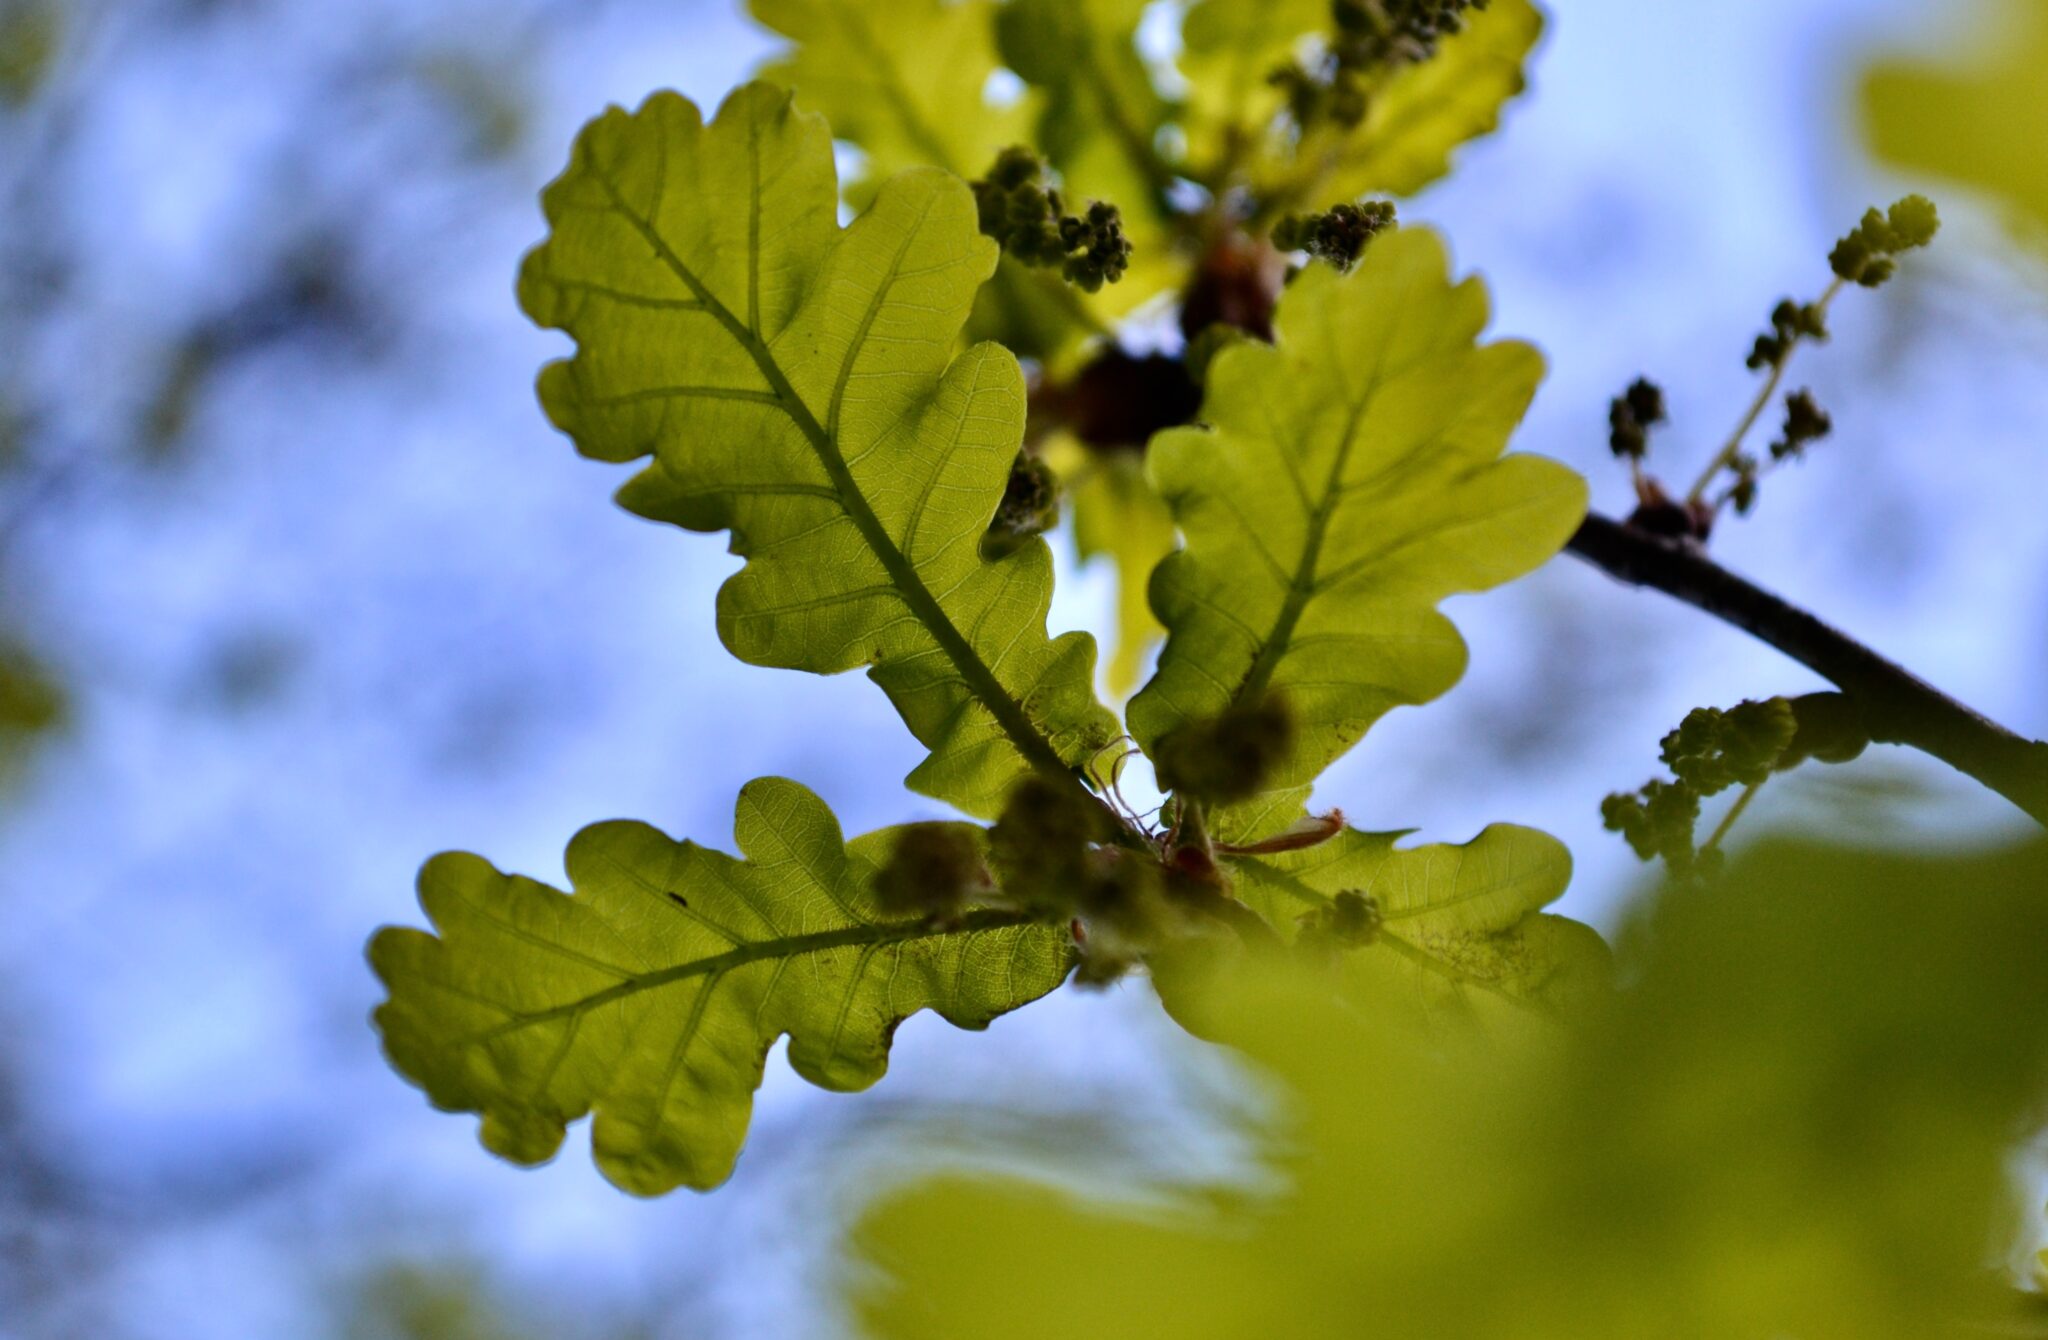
(1868, 255)
(1338, 235)
(1657, 821)
(1791, 322)
(1631, 415)
(1029, 220)
(1366, 36)
(1710, 751)
(1713, 750)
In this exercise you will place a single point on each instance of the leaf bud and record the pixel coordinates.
(1226, 758)
(934, 869)
(1042, 843)
(1030, 507)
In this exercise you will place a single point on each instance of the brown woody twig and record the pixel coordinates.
(1897, 706)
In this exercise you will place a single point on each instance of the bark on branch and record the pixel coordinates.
(1898, 707)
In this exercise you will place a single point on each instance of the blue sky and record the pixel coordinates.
(365, 605)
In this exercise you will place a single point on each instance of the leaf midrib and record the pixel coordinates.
(981, 680)
(1302, 588)
(1292, 884)
(870, 934)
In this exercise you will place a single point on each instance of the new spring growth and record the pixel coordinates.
(1805, 423)
(1791, 322)
(1030, 506)
(1338, 235)
(1351, 921)
(1713, 750)
(1045, 847)
(1657, 821)
(1053, 852)
(1710, 751)
(1029, 220)
(1630, 417)
(1226, 758)
(1366, 37)
(1868, 255)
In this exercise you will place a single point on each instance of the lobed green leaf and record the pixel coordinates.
(797, 384)
(907, 83)
(1348, 478)
(1459, 935)
(652, 995)
(1417, 119)
(1799, 1121)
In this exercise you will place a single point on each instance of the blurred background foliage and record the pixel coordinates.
(296, 587)
(1975, 116)
(1795, 1121)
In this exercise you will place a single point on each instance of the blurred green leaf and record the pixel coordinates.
(1101, 112)
(1454, 936)
(907, 83)
(1229, 50)
(1981, 123)
(1794, 1123)
(798, 385)
(424, 1301)
(31, 33)
(1416, 119)
(653, 994)
(32, 704)
(1348, 478)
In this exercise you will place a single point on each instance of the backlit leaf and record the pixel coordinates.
(1101, 110)
(652, 995)
(1347, 479)
(1229, 48)
(1457, 936)
(907, 82)
(1797, 1121)
(1980, 122)
(798, 385)
(1417, 119)
(1099, 127)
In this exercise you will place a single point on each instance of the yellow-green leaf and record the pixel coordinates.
(1348, 478)
(1800, 1120)
(1456, 934)
(1101, 109)
(652, 995)
(798, 385)
(1417, 119)
(1981, 123)
(906, 82)
(1229, 48)
(1099, 126)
